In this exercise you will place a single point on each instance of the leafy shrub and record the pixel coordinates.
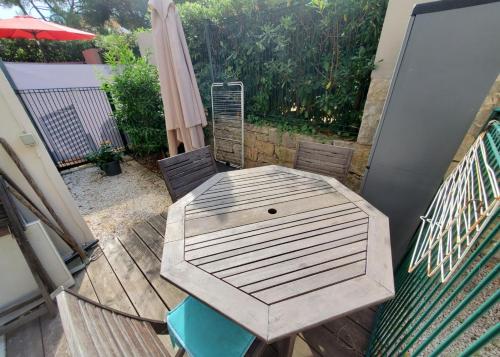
(136, 96)
(106, 153)
(310, 61)
(113, 46)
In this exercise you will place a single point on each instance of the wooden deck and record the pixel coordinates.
(124, 274)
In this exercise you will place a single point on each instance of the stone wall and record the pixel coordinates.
(267, 145)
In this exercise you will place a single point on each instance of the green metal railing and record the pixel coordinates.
(454, 314)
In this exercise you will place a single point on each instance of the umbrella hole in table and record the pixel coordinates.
(272, 211)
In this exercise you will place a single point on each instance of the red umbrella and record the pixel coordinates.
(36, 29)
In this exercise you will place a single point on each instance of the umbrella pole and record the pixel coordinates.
(44, 58)
(42, 51)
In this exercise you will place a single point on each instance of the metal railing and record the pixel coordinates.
(72, 122)
(434, 314)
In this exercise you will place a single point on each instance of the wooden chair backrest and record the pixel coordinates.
(184, 172)
(92, 329)
(323, 159)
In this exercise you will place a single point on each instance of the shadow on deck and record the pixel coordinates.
(124, 274)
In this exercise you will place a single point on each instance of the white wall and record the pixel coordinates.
(396, 22)
(145, 43)
(13, 122)
(56, 75)
(91, 107)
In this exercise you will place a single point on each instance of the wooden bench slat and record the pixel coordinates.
(232, 259)
(159, 223)
(306, 272)
(353, 249)
(303, 285)
(259, 203)
(241, 269)
(271, 224)
(94, 330)
(220, 222)
(277, 237)
(79, 337)
(150, 267)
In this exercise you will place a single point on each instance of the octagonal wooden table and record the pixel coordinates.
(278, 250)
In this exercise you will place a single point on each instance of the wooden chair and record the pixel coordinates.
(92, 329)
(323, 159)
(184, 172)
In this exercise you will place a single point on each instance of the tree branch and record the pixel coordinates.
(37, 10)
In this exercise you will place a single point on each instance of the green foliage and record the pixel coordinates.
(136, 96)
(103, 155)
(118, 48)
(308, 62)
(94, 15)
(290, 125)
(48, 51)
(130, 14)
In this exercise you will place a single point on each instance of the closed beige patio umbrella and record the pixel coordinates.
(184, 112)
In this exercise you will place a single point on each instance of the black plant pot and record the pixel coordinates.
(112, 168)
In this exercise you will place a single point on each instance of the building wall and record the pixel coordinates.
(393, 32)
(391, 39)
(14, 122)
(57, 75)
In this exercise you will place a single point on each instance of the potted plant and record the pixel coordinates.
(107, 159)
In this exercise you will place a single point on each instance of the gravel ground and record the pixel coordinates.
(110, 205)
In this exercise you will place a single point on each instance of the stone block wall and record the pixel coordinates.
(267, 145)
(228, 134)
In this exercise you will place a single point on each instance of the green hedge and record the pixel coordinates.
(43, 51)
(307, 61)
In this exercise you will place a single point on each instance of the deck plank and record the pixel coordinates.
(365, 318)
(159, 224)
(326, 344)
(107, 286)
(141, 294)
(150, 237)
(150, 267)
(83, 286)
(349, 332)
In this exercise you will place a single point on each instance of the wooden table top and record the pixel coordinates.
(278, 250)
